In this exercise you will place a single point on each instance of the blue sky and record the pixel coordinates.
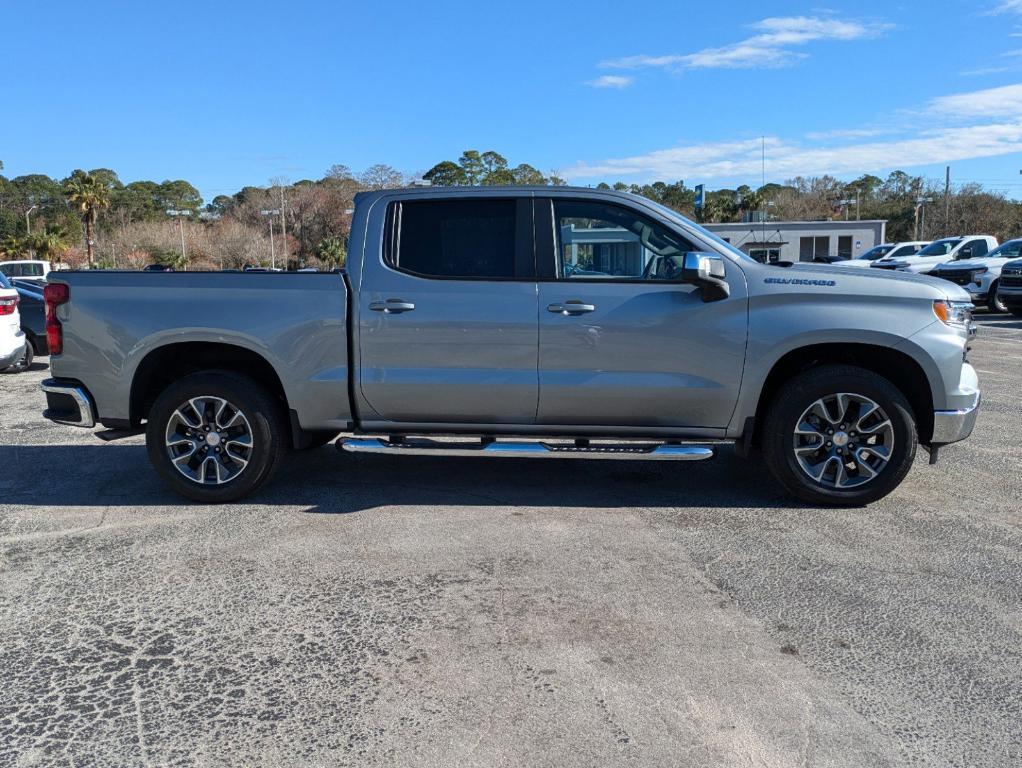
(227, 94)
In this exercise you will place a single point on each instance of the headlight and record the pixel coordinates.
(957, 314)
(979, 270)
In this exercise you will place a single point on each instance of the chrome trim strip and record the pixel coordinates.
(87, 417)
(531, 450)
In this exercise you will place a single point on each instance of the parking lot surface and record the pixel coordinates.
(416, 611)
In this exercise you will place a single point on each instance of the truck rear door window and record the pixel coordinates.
(458, 239)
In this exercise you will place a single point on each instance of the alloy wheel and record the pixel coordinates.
(209, 440)
(843, 440)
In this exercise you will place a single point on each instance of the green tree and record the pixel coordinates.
(220, 205)
(13, 247)
(446, 174)
(472, 164)
(525, 174)
(178, 196)
(333, 251)
(88, 195)
(48, 244)
(493, 162)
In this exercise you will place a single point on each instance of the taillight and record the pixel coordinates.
(55, 294)
(7, 306)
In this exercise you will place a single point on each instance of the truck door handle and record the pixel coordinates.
(392, 306)
(571, 307)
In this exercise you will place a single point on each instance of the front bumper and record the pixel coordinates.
(68, 402)
(952, 426)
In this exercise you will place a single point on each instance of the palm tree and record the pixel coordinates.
(49, 244)
(13, 247)
(332, 250)
(89, 195)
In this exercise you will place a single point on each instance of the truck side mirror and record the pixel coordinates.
(707, 271)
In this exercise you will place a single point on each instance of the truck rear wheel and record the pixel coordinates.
(839, 435)
(215, 436)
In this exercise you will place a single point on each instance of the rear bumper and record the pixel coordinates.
(10, 357)
(68, 402)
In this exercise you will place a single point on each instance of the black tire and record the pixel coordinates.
(25, 361)
(994, 302)
(792, 401)
(264, 420)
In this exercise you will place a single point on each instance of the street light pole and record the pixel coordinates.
(28, 224)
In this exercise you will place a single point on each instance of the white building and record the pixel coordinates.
(802, 240)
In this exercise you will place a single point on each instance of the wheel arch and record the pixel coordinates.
(898, 367)
(169, 362)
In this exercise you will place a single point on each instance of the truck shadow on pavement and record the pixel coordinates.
(328, 482)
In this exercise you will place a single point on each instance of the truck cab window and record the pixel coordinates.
(454, 238)
(600, 241)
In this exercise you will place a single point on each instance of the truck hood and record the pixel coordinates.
(875, 282)
(976, 263)
(906, 260)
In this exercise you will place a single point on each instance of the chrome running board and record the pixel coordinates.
(530, 450)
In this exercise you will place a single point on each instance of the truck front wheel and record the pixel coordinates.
(215, 436)
(839, 435)
(994, 302)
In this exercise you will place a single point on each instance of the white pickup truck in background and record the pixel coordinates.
(981, 276)
(939, 252)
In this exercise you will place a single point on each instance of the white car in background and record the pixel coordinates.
(939, 252)
(12, 338)
(980, 275)
(885, 250)
(34, 269)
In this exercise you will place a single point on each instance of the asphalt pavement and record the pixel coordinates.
(414, 611)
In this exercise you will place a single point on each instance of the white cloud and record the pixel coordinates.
(988, 71)
(770, 48)
(1008, 6)
(846, 133)
(611, 81)
(992, 127)
(742, 159)
(1005, 101)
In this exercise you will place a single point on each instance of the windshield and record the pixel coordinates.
(1009, 250)
(875, 253)
(940, 247)
(673, 215)
(3, 281)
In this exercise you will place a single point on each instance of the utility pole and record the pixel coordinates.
(181, 227)
(269, 214)
(947, 201)
(921, 216)
(283, 226)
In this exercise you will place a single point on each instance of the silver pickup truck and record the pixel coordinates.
(527, 322)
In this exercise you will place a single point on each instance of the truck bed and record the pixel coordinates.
(120, 326)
